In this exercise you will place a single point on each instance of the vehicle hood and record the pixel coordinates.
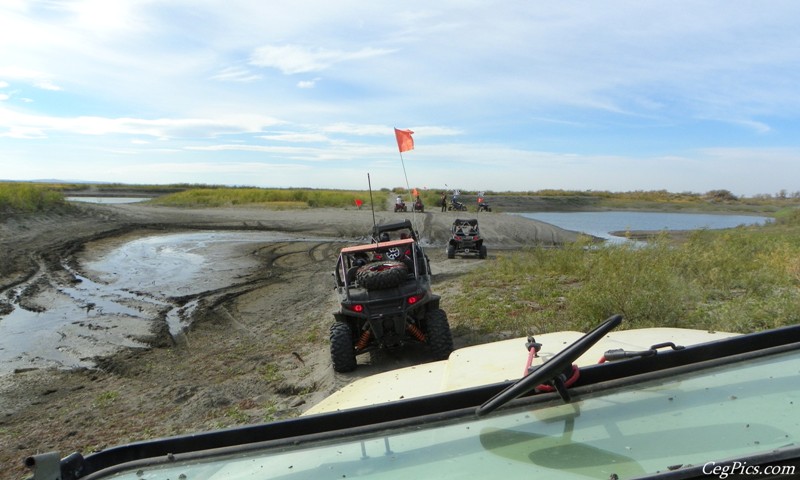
(494, 362)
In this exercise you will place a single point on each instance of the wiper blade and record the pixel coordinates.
(550, 370)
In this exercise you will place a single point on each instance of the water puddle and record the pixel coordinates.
(128, 286)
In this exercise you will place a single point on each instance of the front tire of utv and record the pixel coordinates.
(451, 251)
(343, 353)
(440, 340)
(482, 252)
(380, 275)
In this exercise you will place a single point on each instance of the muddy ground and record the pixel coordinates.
(257, 349)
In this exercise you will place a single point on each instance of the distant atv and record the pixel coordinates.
(484, 207)
(466, 239)
(457, 206)
(385, 297)
(418, 206)
(400, 207)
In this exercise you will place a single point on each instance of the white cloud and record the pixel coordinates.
(37, 78)
(297, 137)
(292, 59)
(35, 126)
(236, 74)
(23, 132)
(359, 130)
(308, 83)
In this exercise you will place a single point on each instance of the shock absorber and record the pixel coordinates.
(361, 344)
(415, 332)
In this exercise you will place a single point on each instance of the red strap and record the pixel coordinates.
(576, 373)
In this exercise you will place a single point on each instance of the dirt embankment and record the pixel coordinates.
(257, 349)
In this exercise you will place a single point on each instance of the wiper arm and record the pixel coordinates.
(550, 370)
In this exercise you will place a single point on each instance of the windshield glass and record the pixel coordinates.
(693, 418)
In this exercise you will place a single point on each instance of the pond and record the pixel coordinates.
(601, 224)
(108, 200)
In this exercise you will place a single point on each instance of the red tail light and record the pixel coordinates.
(414, 299)
(358, 308)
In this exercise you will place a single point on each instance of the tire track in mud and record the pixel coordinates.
(291, 311)
(292, 293)
(426, 232)
(279, 261)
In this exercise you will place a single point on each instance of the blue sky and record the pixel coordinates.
(686, 96)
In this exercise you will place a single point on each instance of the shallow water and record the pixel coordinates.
(125, 285)
(108, 200)
(177, 264)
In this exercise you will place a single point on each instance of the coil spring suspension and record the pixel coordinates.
(361, 344)
(415, 332)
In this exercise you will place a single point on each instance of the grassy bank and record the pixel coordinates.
(29, 197)
(741, 280)
(274, 198)
(718, 201)
(194, 195)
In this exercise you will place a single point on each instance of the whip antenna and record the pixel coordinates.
(371, 204)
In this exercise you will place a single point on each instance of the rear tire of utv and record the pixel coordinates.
(343, 353)
(380, 275)
(440, 340)
(482, 252)
(451, 251)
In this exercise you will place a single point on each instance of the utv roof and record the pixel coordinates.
(391, 227)
(371, 247)
(471, 221)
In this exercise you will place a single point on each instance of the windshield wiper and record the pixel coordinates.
(552, 370)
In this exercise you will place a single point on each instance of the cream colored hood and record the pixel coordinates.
(493, 363)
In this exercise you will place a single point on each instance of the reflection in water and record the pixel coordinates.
(123, 294)
(81, 321)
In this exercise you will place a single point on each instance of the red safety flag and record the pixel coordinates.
(404, 140)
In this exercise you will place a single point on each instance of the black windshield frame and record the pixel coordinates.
(451, 405)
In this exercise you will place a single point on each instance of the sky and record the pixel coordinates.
(684, 96)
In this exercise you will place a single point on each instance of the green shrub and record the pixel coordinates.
(28, 197)
(741, 280)
(279, 198)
